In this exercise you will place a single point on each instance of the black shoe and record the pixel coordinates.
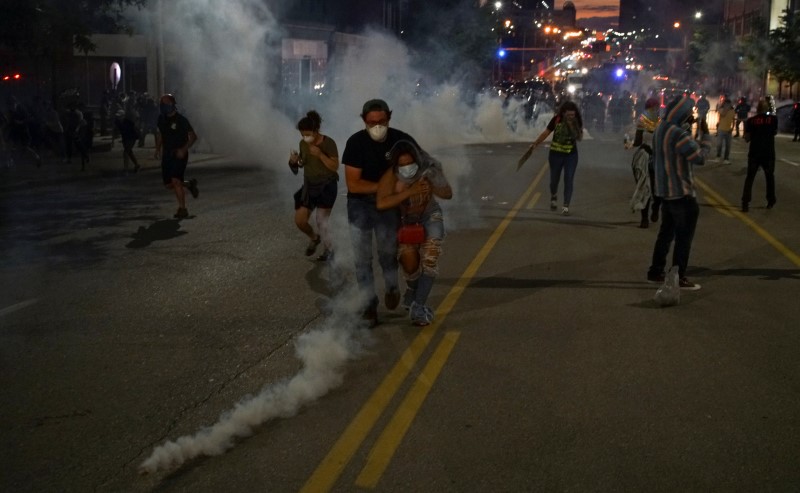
(745, 207)
(370, 316)
(655, 278)
(392, 298)
(644, 224)
(182, 213)
(654, 215)
(136, 168)
(193, 188)
(770, 205)
(312, 246)
(553, 202)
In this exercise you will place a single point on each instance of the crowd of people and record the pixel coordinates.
(393, 184)
(666, 153)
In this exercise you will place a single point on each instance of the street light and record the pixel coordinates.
(497, 5)
(698, 15)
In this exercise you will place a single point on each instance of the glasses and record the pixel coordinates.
(373, 123)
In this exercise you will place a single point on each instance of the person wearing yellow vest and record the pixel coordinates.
(567, 129)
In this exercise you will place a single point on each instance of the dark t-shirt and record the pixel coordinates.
(371, 157)
(174, 132)
(761, 129)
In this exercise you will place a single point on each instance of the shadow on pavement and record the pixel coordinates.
(164, 229)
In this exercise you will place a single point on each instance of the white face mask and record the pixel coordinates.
(309, 139)
(408, 171)
(378, 132)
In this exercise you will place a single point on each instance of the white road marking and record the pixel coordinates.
(790, 162)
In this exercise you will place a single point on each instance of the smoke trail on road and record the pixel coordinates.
(323, 352)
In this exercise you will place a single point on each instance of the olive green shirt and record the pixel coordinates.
(314, 170)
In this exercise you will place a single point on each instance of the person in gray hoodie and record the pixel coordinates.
(413, 183)
(675, 153)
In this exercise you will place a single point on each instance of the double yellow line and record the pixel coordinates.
(724, 207)
(342, 452)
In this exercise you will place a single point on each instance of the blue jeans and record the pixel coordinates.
(679, 220)
(365, 219)
(567, 162)
(724, 138)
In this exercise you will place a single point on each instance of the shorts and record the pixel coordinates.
(173, 168)
(321, 195)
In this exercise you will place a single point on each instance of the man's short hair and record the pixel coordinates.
(375, 105)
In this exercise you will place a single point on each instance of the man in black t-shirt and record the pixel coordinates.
(174, 138)
(760, 131)
(366, 158)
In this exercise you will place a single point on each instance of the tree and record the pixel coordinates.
(46, 31)
(452, 37)
(784, 62)
(755, 49)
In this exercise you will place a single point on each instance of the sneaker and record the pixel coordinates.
(745, 207)
(408, 298)
(182, 213)
(553, 203)
(565, 211)
(392, 298)
(655, 278)
(325, 256)
(193, 188)
(644, 224)
(312, 246)
(420, 315)
(688, 285)
(770, 205)
(726, 161)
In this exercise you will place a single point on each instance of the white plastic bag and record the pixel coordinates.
(669, 294)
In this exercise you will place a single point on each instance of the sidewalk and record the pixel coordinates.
(104, 161)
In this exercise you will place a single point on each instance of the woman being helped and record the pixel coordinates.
(412, 183)
(319, 158)
(567, 130)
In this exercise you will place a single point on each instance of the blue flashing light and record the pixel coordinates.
(619, 73)
(501, 53)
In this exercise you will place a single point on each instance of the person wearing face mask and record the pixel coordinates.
(366, 158)
(567, 129)
(412, 183)
(319, 158)
(675, 153)
(174, 138)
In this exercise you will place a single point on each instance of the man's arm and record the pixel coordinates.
(182, 152)
(355, 184)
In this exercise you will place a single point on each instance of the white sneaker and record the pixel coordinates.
(565, 211)
(726, 162)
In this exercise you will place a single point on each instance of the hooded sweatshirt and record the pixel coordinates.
(429, 168)
(675, 151)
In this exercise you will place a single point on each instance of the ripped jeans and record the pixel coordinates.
(427, 253)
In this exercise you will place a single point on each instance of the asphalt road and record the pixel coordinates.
(550, 367)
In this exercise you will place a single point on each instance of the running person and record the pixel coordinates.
(174, 138)
(319, 158)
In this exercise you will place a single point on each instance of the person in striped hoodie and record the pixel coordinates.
(675, 152)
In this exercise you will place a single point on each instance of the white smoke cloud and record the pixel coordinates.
(323, 352)
(224, 63)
